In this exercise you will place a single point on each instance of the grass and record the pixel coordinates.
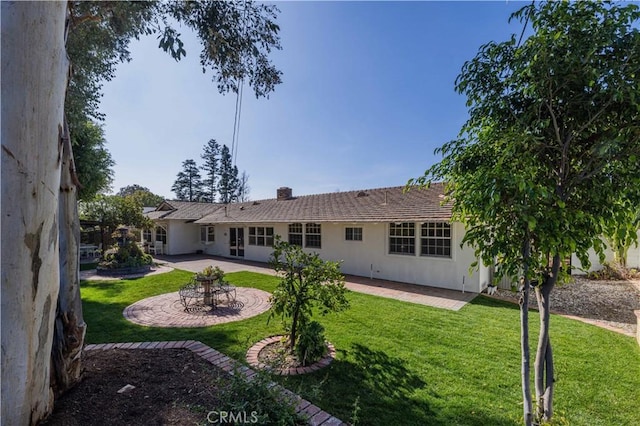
(401, 363)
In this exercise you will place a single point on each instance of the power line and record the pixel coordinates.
(236, 121)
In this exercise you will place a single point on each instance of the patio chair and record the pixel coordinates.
(159, 246)
(227, 289)
(191, 294)
(156, 248)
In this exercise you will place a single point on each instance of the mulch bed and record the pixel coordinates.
(172, 387)
(610, 302)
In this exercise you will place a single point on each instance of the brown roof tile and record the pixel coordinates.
(183, 210)
(372, 205)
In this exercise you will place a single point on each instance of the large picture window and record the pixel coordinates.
(402, 238)
(260, 236)
(435, 239)
(295, 234)
(313, 235)
(353, 234)
(207, 234)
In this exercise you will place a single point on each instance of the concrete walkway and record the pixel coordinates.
(420, 294)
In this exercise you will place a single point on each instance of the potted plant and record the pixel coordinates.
(211, 273)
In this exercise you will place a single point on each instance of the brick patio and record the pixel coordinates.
(166, 310)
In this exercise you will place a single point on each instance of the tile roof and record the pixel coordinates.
(371, 205)
(183, 210)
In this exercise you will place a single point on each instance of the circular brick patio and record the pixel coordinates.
(166, 310)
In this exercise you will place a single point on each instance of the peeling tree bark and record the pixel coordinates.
(70, 328)
(34, 76)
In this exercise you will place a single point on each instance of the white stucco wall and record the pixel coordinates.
(633, 258)
(633, 255)
(182, 238)
(369, 257)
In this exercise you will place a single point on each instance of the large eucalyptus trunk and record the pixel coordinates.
(34, 77)
(543, 366)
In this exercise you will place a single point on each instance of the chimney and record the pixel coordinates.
(284, 193)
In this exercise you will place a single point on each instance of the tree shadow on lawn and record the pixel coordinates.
(387, 391)
(490, 302)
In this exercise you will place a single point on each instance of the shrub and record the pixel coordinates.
(127, 256)
(260, 401)
(310, 346)
(613, 271)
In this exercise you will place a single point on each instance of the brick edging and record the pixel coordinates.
(314, 414)
(252, 359)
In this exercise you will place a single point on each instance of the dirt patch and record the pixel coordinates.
(172, 387)
(277, 355)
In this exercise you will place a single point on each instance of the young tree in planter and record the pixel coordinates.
(306, 281)
(549, 158)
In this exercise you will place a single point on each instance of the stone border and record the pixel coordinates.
(314, 414)
(252, 359)
(123, 272)
(92, 275)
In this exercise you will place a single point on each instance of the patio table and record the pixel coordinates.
(209, 290)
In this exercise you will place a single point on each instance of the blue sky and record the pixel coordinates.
(367, 95)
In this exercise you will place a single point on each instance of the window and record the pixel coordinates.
(313, 237)
(260, 236)
(402, 238)
(161, 234)
(207, 234)
(146, 235)
(295, 234)
(353, 234)
(435, 239)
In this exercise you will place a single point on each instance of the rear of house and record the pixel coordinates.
(381, 233)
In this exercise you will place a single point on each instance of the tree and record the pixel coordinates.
(188, 186)
(111, 211)
(306, 282)
(93, 161)
(31, 177)
(141, 194)
(243, 188)
(210, 167)
(228, 182)
(549, 156)
(42, 325)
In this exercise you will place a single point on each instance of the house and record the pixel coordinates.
(384, 233)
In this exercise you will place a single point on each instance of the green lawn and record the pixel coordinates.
(408, 364)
